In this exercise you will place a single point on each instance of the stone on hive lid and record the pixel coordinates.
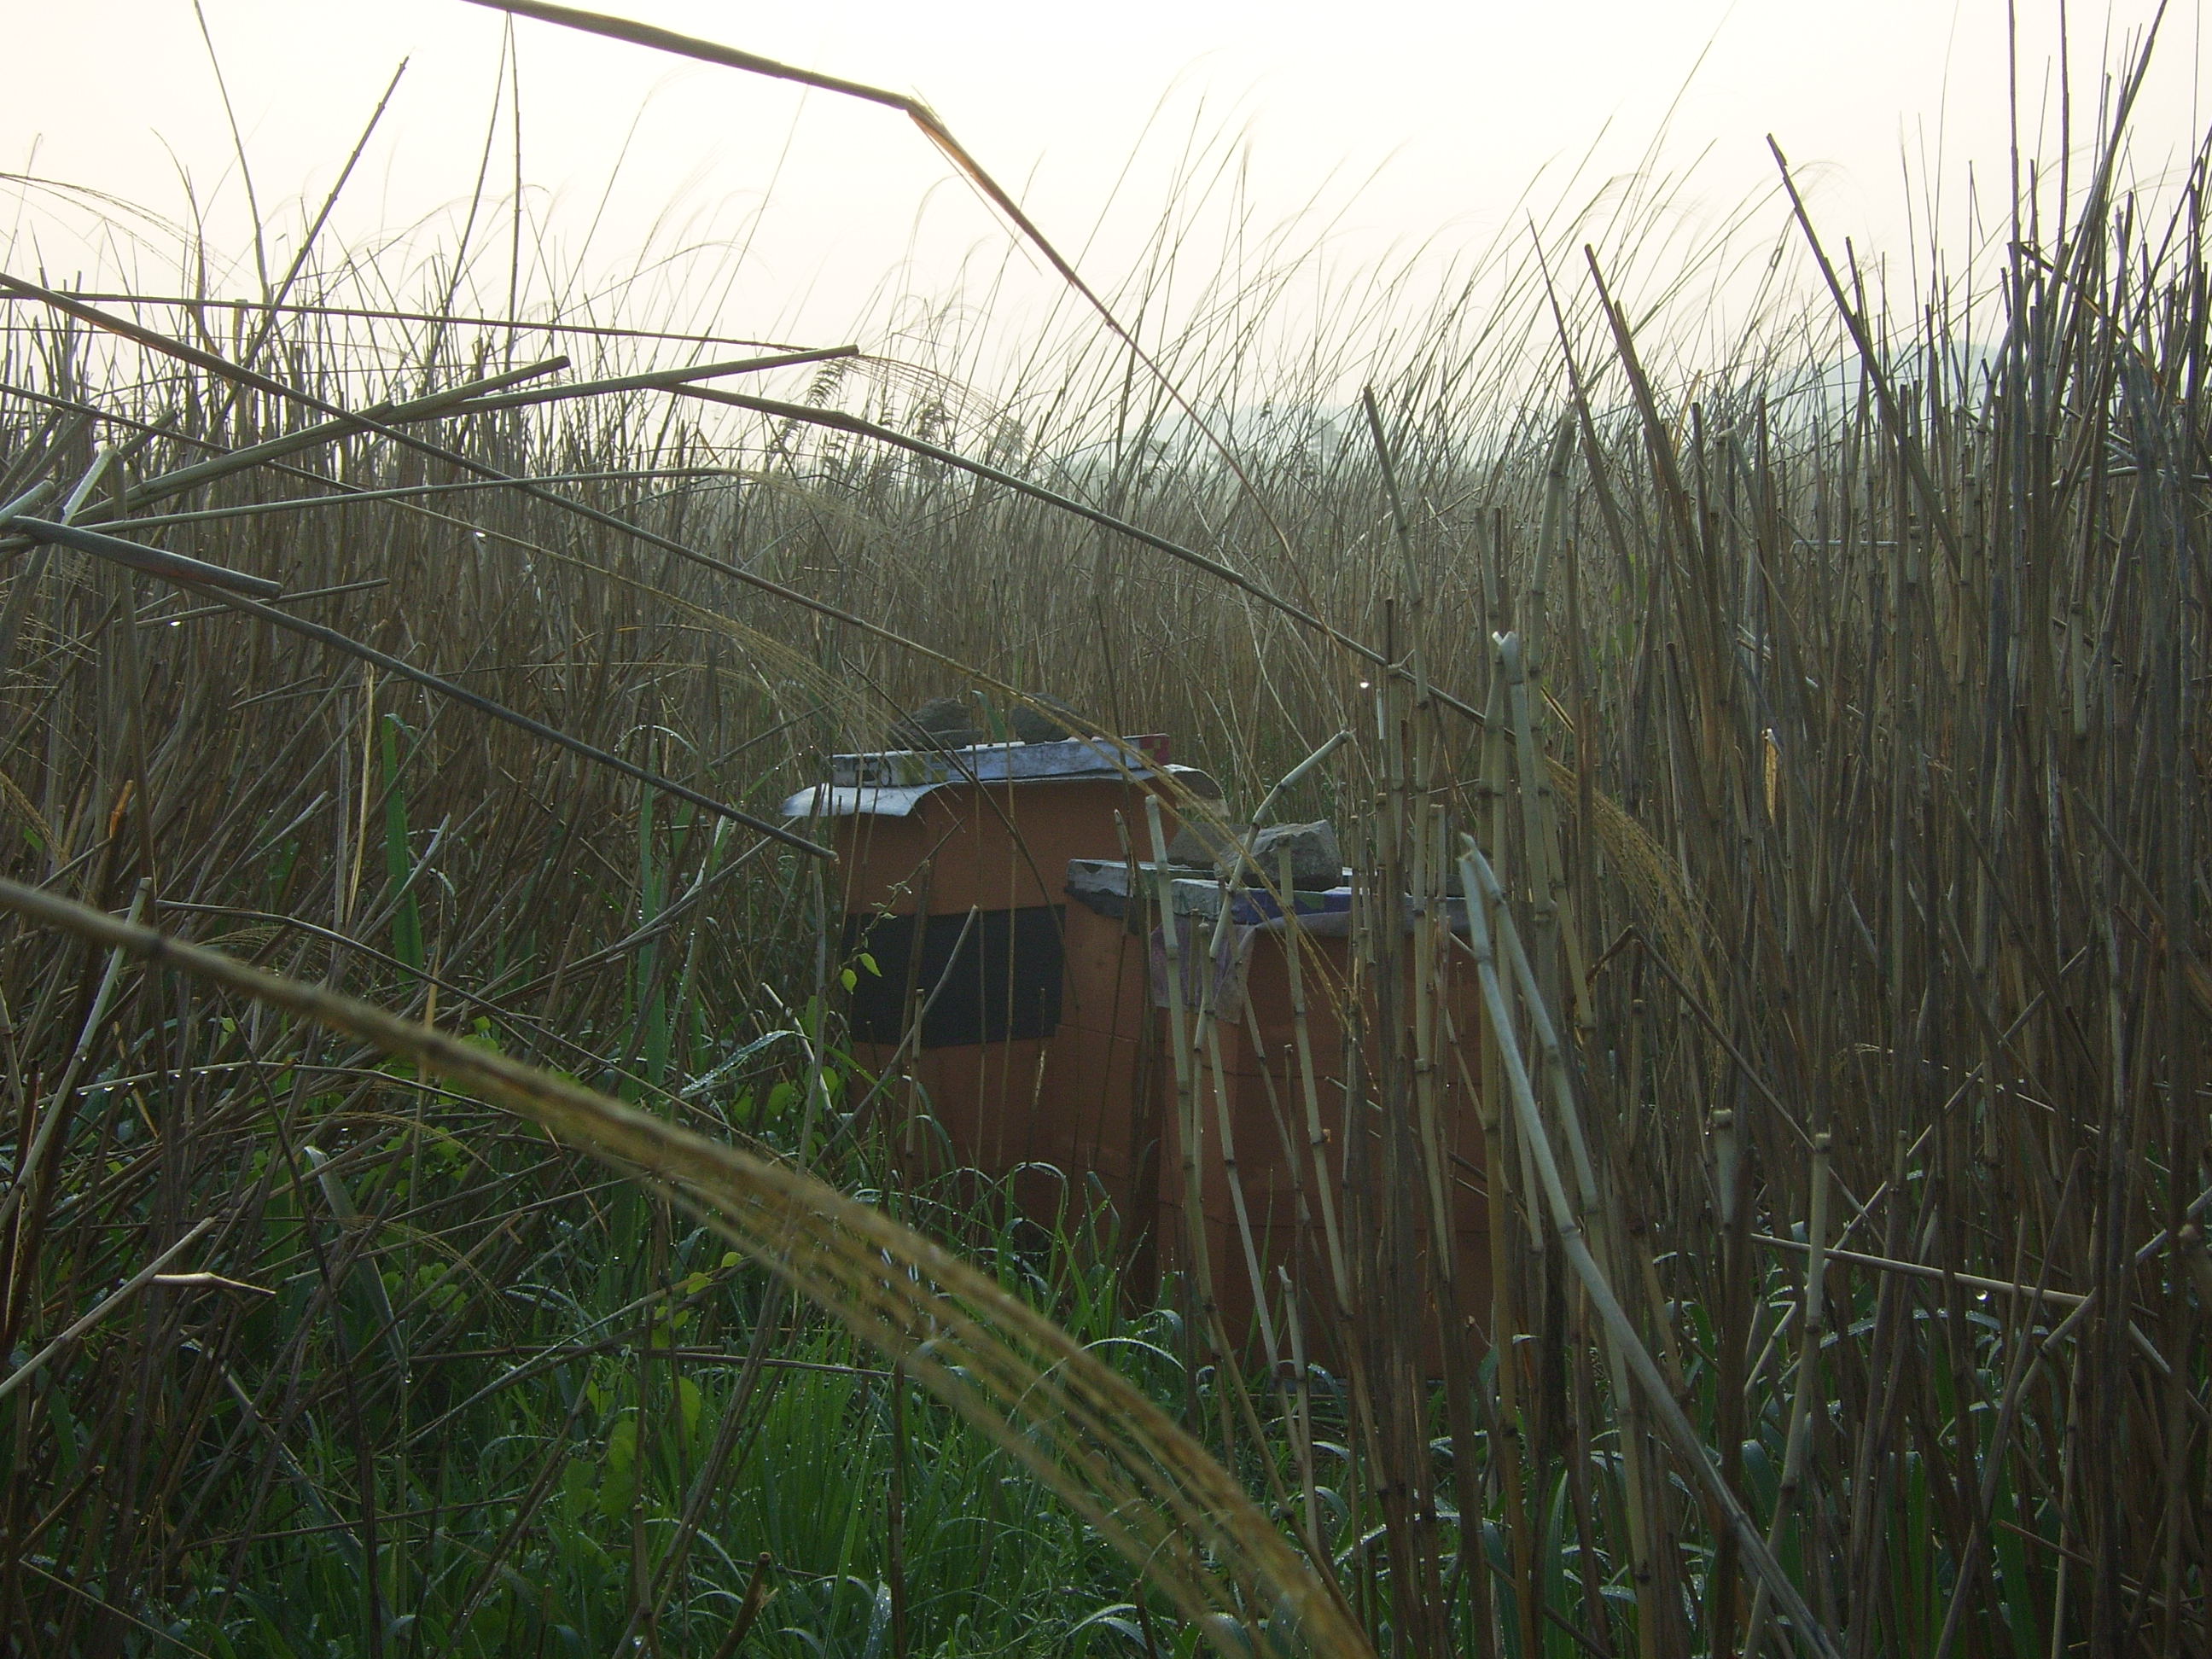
(1316, 861)
(1032, 721)
(1202, 844)
(940, 723)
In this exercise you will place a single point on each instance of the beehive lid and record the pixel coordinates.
(1103, 884)
(892, 782)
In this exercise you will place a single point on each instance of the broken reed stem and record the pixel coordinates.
(99, 1310)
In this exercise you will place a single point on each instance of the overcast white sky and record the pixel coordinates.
(1414, 123)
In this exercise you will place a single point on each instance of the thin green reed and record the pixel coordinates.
(651, 1022)
(398, 857)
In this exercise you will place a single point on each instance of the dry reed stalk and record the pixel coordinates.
(1505, 1159)
(1434, 1037)
(1206, 1036)
(1190, 1125)
(1811, 1326)
(1402, 1311)
(1486, 908)
(1295, 950)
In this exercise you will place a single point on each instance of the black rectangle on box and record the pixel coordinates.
(1003, 986)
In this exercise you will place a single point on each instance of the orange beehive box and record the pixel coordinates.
(954, 867)
(1022, 987)
(1259, 1088)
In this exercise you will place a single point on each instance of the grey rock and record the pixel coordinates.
(1032, 721)
(1316, 861)
(940, 723)
(1202, 844)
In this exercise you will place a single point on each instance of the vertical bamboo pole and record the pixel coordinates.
(1188, 1126)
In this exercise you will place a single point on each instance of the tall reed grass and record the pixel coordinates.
(1818, 734)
